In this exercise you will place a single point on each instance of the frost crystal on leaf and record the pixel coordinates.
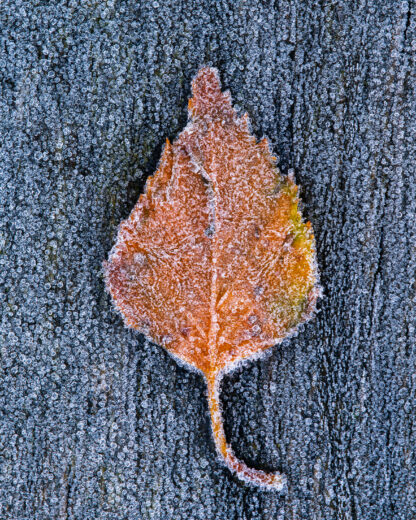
(215, 262)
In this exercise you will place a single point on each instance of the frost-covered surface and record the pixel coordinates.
(97, 424)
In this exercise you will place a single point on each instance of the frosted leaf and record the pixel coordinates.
(215, 262)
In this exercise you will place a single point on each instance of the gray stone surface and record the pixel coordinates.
(95, 423)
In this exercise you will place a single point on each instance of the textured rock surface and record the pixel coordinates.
(95, 423)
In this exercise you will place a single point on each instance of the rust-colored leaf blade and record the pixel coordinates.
(215, 262)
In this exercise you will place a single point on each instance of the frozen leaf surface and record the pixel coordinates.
(215, 262)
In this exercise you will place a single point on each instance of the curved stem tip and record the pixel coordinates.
(272, 481)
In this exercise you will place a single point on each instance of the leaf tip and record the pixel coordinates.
(207, 81)
(208, 99)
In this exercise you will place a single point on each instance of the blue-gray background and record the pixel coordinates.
(96, 423)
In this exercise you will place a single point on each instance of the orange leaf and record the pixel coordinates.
(215, 262)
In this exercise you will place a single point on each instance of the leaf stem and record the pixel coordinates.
(272, 481)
